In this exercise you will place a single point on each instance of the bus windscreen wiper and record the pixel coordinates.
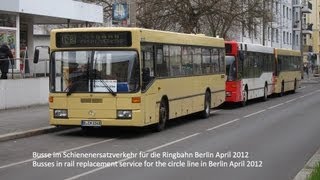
(108, 87)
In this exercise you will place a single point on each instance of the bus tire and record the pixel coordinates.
(265, 93)
(245, 98)
(163, 116)
(282, 89)
(294, 86)
(207, 106)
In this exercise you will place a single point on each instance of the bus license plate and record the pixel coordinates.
(93, 123)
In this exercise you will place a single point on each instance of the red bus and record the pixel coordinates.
(249, 69)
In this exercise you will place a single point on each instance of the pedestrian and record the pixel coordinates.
(5, 56)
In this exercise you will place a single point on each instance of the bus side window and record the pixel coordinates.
(147, 65)
(215, 60)
(161, 64)
(222, 61)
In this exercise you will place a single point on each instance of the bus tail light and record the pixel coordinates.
(136, 100)
(50, 99)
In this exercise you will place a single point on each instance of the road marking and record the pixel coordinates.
(302, 87)
(302, 96)
(310, 93)
(67, 150)
(122, 160)
(254, 113)
(211, 112)
(291, 100)
(173, 142)
(223, 124)
(276, 106)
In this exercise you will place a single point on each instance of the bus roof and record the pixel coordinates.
(287, 52)
(256, 48)
(155, 36)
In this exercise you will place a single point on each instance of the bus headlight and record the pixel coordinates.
(60, 113)
(228, 94)
(124, 114)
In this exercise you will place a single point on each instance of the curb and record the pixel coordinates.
(32, 132)
(308, 168)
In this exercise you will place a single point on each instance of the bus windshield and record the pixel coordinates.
(94, 71)
(231, 68)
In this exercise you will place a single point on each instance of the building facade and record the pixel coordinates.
(294, 25)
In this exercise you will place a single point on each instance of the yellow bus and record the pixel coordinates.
(288, 70)
(132, 76)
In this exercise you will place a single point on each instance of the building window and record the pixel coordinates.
(7, 20)
(297, 39)
(255, 31)
(304, 39)
(284, 37)
(294, 39)
(284, 12)
(277, 35)
(290, 14)
(287, 11)
(288, 38)
(272, 34)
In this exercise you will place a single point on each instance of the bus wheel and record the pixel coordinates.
(282, 89)
(163, 116)
(294, 86)
(245, 98)
(207, 106)
(265, 96)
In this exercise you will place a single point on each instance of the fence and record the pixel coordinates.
(27, 69)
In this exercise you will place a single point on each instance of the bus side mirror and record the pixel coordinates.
(36, 56)
(36, 53)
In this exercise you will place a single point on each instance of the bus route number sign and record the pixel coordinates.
(93, 39)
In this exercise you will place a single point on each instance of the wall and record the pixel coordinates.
(23, 92)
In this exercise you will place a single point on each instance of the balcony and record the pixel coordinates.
(307, 28)
(296, 26)
(306, 7)
(307, 48)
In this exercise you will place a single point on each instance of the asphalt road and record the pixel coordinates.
(264, 140)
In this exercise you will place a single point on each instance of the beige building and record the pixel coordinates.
(311, 33)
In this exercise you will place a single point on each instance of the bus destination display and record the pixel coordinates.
(93, 39)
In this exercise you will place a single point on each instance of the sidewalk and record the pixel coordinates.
(24, 122)
(308, 168)
(311, 79)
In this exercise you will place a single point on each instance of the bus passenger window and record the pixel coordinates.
(161, 66)
(215, 60)
(175, 61)
(206, 62)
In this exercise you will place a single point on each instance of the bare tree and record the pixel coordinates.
(212, 17)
